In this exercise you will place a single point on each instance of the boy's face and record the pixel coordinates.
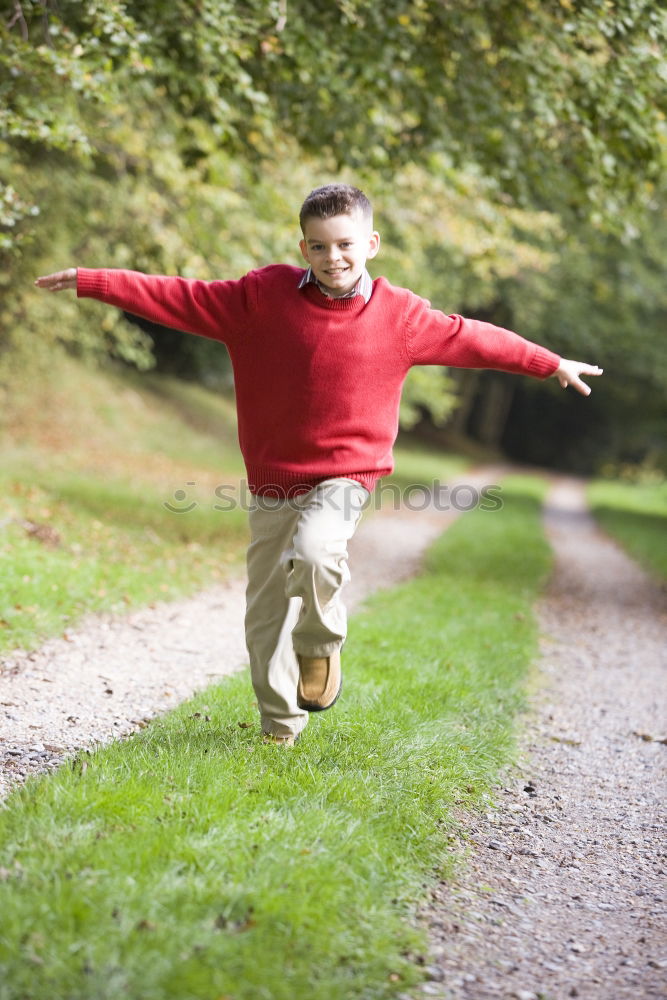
(337, 249)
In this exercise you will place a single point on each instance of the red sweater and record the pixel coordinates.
(318, 380)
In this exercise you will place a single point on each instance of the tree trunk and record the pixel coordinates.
(493, 409)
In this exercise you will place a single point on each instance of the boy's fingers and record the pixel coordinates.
(572, 371)
(57, 281)
(575, 382)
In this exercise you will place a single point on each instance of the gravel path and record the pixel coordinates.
(110, 675)
(565, 894)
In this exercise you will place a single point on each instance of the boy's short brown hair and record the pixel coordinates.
(334, 199)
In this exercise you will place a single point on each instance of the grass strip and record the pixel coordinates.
(191, 862)
(117, 547)
(636, 515)
(90, 461)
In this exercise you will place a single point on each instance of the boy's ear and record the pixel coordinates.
(303, 247)
(373, 244)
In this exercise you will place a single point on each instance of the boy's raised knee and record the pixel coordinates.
(313, 550)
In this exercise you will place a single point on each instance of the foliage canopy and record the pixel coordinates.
(559, 101)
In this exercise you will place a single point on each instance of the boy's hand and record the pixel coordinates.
(568, 373)
(58, 281)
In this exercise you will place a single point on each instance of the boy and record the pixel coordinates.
(319, 358)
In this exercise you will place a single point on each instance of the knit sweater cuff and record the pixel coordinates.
(543, 362)
(91, 283)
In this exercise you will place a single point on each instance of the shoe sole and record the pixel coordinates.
(309, 706)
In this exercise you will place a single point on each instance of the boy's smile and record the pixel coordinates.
(337, 249)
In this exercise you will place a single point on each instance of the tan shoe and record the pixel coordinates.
(320, 681)
(279, 739)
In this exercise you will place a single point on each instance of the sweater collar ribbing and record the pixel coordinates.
(313, 293)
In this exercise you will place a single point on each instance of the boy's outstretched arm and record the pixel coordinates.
(436, 339)
(58, 281)
(215, 309)
(568, 373)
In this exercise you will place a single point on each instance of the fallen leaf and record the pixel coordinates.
(42, 532)
(234, 926)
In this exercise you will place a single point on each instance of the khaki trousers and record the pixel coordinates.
(297, 567)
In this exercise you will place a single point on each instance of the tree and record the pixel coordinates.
(561, 103)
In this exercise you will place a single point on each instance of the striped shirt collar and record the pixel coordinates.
(363, 287)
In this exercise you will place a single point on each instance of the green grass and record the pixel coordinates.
(190, 862)
(118, 548)
(636, 515)
(93, 463)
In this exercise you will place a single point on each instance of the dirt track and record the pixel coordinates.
(566, 894)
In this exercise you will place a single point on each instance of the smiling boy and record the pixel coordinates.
(337, 248)
(319, 359)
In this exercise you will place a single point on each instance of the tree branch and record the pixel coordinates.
(20, 17)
